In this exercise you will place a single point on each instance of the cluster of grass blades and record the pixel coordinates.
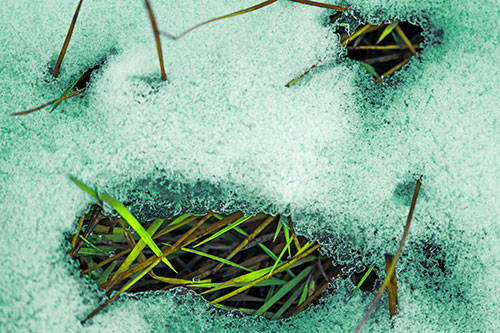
(369, 44)
(256, 264)
(381, 49)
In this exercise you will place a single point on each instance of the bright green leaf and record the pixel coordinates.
(226, 229)
(362, 280)
(120, 208)
(388, 29)
(66, 92)
(281, 255)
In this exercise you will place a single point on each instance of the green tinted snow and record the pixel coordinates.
(333, 149)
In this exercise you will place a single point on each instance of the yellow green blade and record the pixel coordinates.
(85, 188)
(137, 250)
(226, 229)
(388, 29)
(211, 256)
(287, 238)
(281, 255)
(131, 220)
(66, 92)
(278, 229)
(362, 280)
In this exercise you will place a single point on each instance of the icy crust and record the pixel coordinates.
(224, 133)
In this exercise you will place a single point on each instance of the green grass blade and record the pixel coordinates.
(92, 245)
(105, 275)
(283, 291)
(85, 188)
(388, 29)
(362, 280)
(137, 250)
(131, 220)
(226, 229)
(287, 304)
(66, 92)
(180, 219)
(266, 250)
(287, 238)
(225, 261)
(305, 290)
(278, 229)
(369, 68)
(270, 293)
(281, 255)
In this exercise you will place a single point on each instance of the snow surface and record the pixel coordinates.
(224, 133)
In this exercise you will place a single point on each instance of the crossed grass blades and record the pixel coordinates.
(257, 264)
(382, 49)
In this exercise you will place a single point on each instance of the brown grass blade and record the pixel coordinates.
(355, 35)
(94, 219)
(157, 39)
(295, 238)
(393, 264)
(392, 287)
(75, 237)
(50, 103)
(247, 10)
(55, 73)
(322, 5)
(395, 68)
(405, 39)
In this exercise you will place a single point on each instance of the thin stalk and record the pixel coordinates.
(394, 261)
(62, 98)
(247, 10)
(55, 73)
(157, 39)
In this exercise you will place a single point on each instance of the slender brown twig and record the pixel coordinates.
(50, 103)
(394, 261)
(55, 73)
(157, 39)
(243, 11)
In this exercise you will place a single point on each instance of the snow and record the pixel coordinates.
(339, 153)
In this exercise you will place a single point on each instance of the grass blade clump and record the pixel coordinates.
(229, 269)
